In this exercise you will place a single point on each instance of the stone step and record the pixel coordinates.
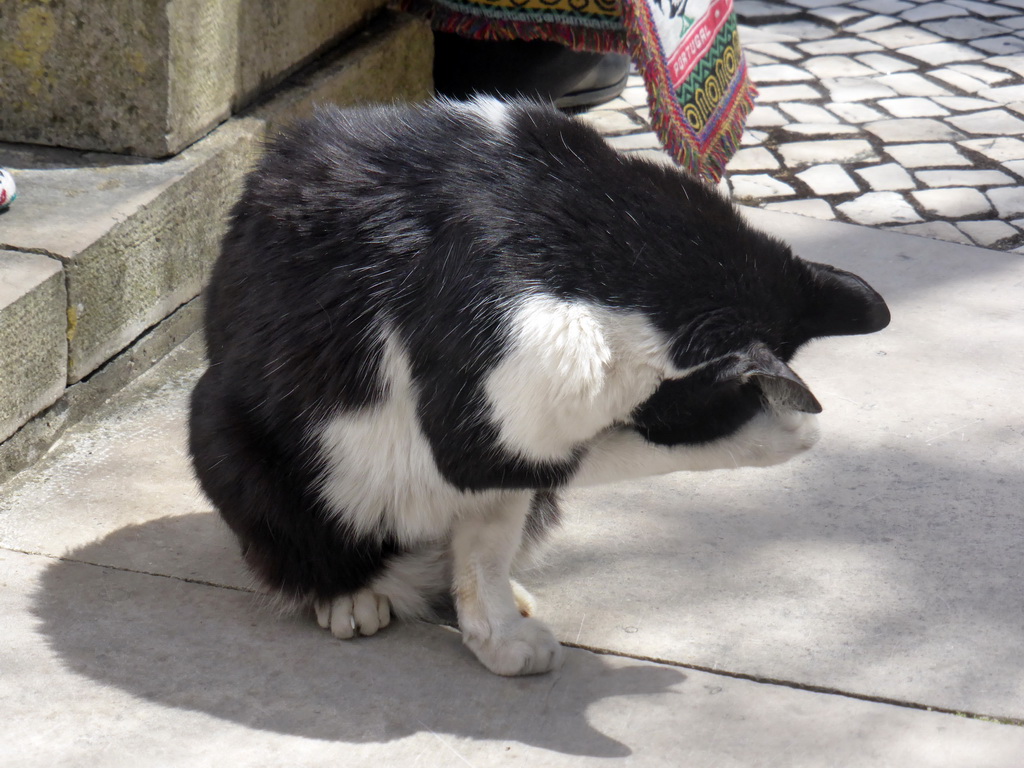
(134, 238)
(151, 78)
(33, 306)
(100, 247)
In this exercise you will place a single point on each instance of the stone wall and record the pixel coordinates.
(102, 250)
(149, 78)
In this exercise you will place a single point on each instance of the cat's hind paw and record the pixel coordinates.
(525, 647)
(525, 603)
(360, 613)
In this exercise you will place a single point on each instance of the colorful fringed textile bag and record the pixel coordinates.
(688, 52)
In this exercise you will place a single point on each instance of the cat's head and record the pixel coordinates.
(834, 303)
(736, 354)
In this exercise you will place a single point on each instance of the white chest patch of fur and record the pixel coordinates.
(381, 475)
(572, 369)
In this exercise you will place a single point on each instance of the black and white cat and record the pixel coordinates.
(427, 320)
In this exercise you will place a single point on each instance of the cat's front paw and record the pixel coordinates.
(360, 613)
(523, 647)
(774, 437)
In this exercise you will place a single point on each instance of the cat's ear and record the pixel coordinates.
(843, 304)
(779, 383)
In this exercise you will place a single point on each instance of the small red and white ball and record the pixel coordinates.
(8, 189)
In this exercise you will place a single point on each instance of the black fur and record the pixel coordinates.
(428, 219)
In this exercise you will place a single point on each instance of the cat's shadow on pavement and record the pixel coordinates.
(218, 650)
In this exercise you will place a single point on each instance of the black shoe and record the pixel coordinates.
(532, 68)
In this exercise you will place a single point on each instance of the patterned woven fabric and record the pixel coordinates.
(688, 52)
(562, 11)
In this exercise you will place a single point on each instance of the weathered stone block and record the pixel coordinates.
(32, 343)
(137, 236)
(150, 78)
(391, 60)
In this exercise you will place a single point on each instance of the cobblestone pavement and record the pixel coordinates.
(898, 114)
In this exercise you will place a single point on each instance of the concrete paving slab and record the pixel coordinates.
(108, 668)
(124, 465)
(889, 560)
(885, 564)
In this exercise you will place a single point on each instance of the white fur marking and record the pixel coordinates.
(573, 369)
(767, 439)
(490, 617)
(526, 647)
(493, 112)
(381, 474)
(412, 580)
